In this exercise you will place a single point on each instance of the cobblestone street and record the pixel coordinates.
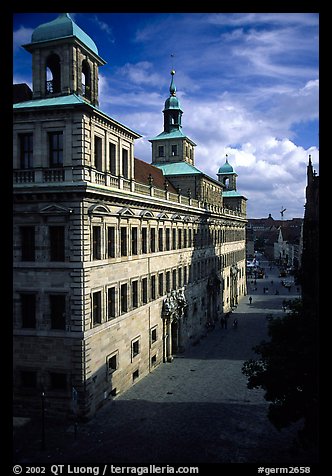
(194, 410)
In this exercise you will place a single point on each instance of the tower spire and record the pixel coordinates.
(172, 87)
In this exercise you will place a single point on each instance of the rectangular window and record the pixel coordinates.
(112, 363)
(153, 335)
(135, 375)
(134, 249)
(161, 239)
(135, 348)
(27, 234)
(57, 243)
(179, 238)
(144, 290)
(174, 278)
(96, 308)
(125, 163)
(112, 158)
(123, 298)
(98, 153)
(111, 242)
(55, 149)
(58, 311)
(185, 275)
(123, 240)
(161, 284)
(153, 287)
(28, 310)
(58, 381)
(28, 379)
(168, 281)
(26, 150)
(111, 303)
(180, 277)
(96, 242)
(174, 239)
(134, 294)
(168, 239)
(144, 240)
(152, 240)
(185, 242)
(174, 149)
(161, 151)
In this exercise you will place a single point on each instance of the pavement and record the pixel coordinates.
(195, 410)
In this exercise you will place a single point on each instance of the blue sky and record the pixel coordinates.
(247, 83)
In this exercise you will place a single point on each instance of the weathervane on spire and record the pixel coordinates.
(172, 88)
(172, 56)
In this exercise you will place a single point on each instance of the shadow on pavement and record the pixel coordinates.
(145, 432)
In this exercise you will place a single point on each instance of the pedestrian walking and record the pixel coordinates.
(235, 323)
(250, 300)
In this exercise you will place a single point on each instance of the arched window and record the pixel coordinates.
(86, 79)
(53, 74)
(226, 182)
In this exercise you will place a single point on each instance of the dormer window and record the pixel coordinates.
(53, 74)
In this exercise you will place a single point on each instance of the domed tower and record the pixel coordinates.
(227, 176)
(172, 145)
(172, 111)
(232, 199)
(65, 60)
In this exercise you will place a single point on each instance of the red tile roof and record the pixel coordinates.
(142, 172)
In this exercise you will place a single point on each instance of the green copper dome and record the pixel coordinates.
(172, 103)
(226, 168)
(63, 26)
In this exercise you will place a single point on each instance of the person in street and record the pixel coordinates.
(235, 323)
(250, 300)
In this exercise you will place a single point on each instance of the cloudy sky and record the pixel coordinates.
(247, 83)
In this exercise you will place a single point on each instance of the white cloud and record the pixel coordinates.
(21, 36)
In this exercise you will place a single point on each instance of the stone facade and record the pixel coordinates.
(112, 276)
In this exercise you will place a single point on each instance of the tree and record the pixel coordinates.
(287, 370)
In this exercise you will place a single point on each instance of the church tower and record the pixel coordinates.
(172, 145)
(65, 61)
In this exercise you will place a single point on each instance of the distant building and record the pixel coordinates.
(118, 264)
(280, 240)
(287, 248)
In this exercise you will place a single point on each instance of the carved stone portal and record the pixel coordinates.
(172, 313)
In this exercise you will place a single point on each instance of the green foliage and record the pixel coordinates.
(287, 370)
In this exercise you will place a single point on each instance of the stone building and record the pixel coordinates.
(115, 268)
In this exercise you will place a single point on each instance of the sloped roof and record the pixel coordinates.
(179, 168)
(143, 170)
(62, 27)
(67, 100)
(21, 92)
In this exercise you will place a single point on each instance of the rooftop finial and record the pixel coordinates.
(172, 88)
